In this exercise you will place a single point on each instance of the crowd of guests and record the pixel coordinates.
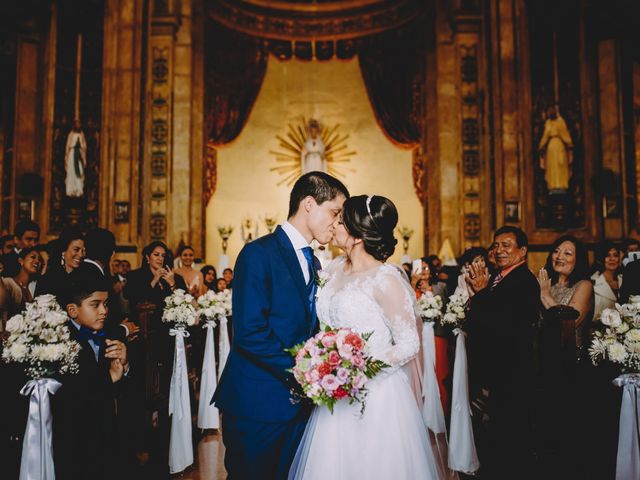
(540, 406)
(111, 420)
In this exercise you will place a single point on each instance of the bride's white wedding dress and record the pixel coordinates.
(388, 441)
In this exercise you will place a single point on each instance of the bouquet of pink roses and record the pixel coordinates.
(333, 365)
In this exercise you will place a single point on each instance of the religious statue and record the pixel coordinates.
(312, 155)
(75, 161)
(556, 152)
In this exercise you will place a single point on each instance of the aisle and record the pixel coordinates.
(210, 461)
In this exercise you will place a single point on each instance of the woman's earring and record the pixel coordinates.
(62, 260)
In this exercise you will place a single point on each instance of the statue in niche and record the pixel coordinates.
(312, 154)
(556, 152)
(75, 161)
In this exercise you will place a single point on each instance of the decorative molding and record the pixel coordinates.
(313, 21)
(211, 172)
(419, 169)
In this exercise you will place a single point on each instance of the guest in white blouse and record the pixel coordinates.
(607, 279)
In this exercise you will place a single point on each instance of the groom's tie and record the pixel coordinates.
(311, 284)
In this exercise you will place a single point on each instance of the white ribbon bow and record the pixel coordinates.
(208, 415)
(224, 344)
(628, 461)
(37, 447)
(180, 445)
(462, 449)
(432, 413)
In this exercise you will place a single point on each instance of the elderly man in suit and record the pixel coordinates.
(502, 317)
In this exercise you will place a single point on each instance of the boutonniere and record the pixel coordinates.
(322, 278)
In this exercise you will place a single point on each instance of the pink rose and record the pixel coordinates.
(329, 383)
(345, 351)
(359, 381)
(358, 361)
(329, 340)
(343, 375)
(312, 376)
(334, 358)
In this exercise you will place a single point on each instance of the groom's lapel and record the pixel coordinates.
(292, 263)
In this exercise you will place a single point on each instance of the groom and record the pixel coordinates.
(273, 309)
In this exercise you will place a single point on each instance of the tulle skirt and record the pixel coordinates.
(388, 441)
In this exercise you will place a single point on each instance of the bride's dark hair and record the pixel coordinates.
(373, 223)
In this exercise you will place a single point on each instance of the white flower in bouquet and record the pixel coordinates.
(633, 334)
(617, 352)
(429, 307)
(46, 302)
(39, 338)
(180, 309)
(610, 317)
(16, 324)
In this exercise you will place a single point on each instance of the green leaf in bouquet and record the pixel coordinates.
(366, 336)
(374, 367)
(293, 351)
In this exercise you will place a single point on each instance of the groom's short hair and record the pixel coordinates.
(319, 185)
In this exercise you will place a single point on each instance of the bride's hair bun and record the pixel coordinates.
(373, 223)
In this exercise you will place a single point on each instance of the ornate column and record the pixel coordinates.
(120, 175)
(458, 179)
(611, 133)
(173, 156)
(159, 122)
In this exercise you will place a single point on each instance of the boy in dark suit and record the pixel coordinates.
(86, 428)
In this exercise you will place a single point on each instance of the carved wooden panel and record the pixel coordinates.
(471, 138)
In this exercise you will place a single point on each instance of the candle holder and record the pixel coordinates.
(270, 222)
(245, 229)
(405, 233)
(225, 232)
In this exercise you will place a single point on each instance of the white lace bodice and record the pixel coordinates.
(379, 301)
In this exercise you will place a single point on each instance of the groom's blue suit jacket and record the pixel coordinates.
(270, 313)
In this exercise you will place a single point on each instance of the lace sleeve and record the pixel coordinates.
(394, 296)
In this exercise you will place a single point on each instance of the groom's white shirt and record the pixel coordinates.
(298, 242)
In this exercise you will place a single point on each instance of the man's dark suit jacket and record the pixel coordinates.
(501, 331)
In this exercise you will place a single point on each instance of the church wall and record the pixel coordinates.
(332, 92)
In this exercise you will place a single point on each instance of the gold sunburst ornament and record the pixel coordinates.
(309, 146)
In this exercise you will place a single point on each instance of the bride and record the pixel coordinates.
(389, 440)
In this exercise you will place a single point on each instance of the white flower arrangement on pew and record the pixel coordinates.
(180, 310)
(39, 338)
(429, 307)
(455, 313)
(619, 340)
(212, 305)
